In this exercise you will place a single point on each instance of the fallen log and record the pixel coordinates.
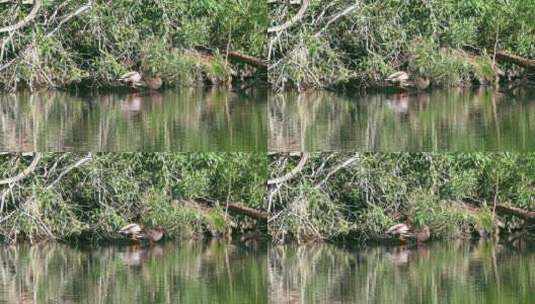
(247, 59)
(515, 59)
(240, 209)
(521, 213)
(250, 212)
(236, 56)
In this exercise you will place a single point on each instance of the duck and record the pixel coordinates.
(137, 80)
(137, 233)
(404, 232)
(402, 80)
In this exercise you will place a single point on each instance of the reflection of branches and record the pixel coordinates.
(323, 273)
(93, 274)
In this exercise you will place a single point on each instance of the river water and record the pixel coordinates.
(176, 120)
(447, 272)
(172, 272)
(439, 120)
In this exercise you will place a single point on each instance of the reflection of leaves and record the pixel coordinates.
(187, 120)
(320, 273)
(104, 275)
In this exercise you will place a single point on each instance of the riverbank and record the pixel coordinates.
(334, 44)
(359, 196)
(91, 44)
(90, 196)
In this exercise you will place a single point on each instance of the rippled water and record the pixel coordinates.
(184, 272)
(449, 272)
(440, 120)
(182, 120)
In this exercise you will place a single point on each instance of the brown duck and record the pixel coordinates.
(404, 233)
(137, 80)
(137, 233)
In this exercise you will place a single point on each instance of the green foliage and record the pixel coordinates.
(449, 192)
(378, 37)
(113, 189)
(107, 39)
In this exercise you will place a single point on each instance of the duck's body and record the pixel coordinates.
(403, 232)
(402, 80)
(136, 233)
(137, 80)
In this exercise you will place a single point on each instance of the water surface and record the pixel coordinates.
(449, 272)
(181, 120)
(440, 120)
(184, 272)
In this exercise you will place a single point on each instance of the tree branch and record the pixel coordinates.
(300, 14)
(338, 16)
(70, 168)
(23, 22)
(336, 169)
(292, 173)
(24, 173)
(70, 16)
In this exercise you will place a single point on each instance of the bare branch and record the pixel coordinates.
(338, 16)
(292, 173)
(23, 22)
(336, 169)
(70, 16)
(70, 168)
(24, 173)
(300, 14)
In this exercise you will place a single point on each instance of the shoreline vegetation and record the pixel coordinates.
(357, 198)
(76, 197)
(91, 44)
(359, 44)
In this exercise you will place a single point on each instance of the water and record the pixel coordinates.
(440, 120)
(449, 272)
(183, 120)
(185, 272)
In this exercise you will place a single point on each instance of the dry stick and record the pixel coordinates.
(70, 168)
(300, 14)
(336, 169)
(292, 173)
(338, 16)
(24, 173)
(70, 16)
(23, 22)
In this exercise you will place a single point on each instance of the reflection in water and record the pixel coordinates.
(185, 272)
(184, 120)
(453, 272)
(445, 120)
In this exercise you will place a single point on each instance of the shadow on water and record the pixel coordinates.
(449, 272)
(441, 120)
(181, 120)
(173, 272)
